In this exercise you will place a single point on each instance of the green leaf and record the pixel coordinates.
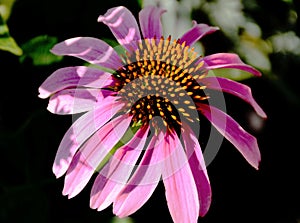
(140, 2)
(7, 43)
(5, 8)
(122, 220)
(38, 50)
(233, 74)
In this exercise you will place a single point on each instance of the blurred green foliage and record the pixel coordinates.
(38, 50)
(265, 33)
(7, 43)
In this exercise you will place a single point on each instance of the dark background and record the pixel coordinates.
(30, 135)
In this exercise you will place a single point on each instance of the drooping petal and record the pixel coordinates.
(181, 191)
(92, 50)
(196, 33)
(144, 181)
(123, 25)
(72, 77)
(73, 101)
(198, 167)
(114, 175)
(92, 153)
(240, 90)
(233, 132)
(149, 18)
(228, 60)
(81, 130)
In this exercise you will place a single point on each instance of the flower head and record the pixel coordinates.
(143, 112)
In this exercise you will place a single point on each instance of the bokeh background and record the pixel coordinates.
(265, 33)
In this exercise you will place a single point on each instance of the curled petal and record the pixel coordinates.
(72, 77)
(150, 23)
(73, 101)
(181, 190)
(144, 181)
(123, 25)
(228, 60)
(92, 153)
(80, 131)
(240, 90)
(196, 33)
(245, 143)
(198, 168)
(114, 175)
(92, 50)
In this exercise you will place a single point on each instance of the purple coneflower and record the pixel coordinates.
(139, 115)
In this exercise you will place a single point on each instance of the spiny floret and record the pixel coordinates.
(160, 79)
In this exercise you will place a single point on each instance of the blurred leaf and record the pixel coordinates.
(7, 43)
(38, 49)
(255, 51)
(122, 220)
(117, 47)
(140, 2)
(232, 74)
(5, 8)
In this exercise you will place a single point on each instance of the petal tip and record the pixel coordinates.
(100, 18)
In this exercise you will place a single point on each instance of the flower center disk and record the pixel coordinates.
(160, 79)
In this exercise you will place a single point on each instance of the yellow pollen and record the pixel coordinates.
(191, 70)
(197, 96)
(189, 83)
(178, 89)
(186, 114)
(181, 109)
(184, 80)
(199, 65)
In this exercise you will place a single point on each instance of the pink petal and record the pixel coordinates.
(240, 90)
(114, 175)
(150, 23)
(233, 132)
(123, 25)
(92, 153)
(181, 191)
(196, 33)
(78, 175)
(72, 77)
(92, 50)
(198, 168)
(72, 101)
(81, 130)
(228, 60)
(144, 181)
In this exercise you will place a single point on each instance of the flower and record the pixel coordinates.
(140, 115)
